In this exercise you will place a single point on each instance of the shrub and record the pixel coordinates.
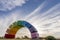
(50, 38)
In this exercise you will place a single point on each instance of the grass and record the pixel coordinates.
(20, 39)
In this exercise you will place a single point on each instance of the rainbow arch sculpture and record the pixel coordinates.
(13, 28)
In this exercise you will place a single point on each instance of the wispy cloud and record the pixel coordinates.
(24, 31)
(48, 22)
(8, 20)
(36, 10)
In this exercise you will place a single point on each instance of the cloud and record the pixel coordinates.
(48, 22)
(8, 20)
(36, 10)
(10, 4)
(51, 10)
(24, 31)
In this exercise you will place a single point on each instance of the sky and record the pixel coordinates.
(44, 15)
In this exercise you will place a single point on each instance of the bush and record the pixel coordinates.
(1, 37)
(17, 38)
(50, 38)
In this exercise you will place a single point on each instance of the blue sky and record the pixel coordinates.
(29, 5)
(43, 14)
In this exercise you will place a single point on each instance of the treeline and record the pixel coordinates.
(25, 37)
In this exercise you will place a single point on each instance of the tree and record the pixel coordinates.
(17, 38)
(26, 37)
(50, 38)
(1, 37)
